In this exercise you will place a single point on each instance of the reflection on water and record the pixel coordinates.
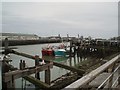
(55, 59)
(64, 60)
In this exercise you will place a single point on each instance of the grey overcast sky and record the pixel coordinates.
(96, 19)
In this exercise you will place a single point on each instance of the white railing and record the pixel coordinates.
(85, 80)
(115, 71)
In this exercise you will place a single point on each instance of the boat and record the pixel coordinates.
(58, 51)
(47, 51)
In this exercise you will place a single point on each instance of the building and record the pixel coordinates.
(17, 36)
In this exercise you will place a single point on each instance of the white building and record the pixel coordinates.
(15, 36)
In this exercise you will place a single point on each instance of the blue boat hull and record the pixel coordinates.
(60, 53)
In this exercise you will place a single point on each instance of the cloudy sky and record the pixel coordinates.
(96, 19)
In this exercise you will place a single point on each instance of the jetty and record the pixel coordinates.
(110, 68)
(11, 73)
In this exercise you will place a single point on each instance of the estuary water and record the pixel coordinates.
(36, 49)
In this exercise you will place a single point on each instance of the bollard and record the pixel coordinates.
(21, 65)
(36, 60)
(24, 64)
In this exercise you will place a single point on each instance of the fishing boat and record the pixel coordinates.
(58, 51)
(47, 51)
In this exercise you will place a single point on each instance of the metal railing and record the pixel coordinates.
(85, 80)
(108, 78)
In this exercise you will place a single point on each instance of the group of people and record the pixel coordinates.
(84, 51)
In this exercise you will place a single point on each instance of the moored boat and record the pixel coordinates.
(60, 52)
(47, 51)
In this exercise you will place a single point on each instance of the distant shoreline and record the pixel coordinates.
(29, 42)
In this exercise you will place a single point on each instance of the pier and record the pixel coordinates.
(9, 75)
(79, 49)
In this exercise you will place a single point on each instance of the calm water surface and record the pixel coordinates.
(36, 49)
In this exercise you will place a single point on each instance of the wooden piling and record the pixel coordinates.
(47, 76)
(4, 69)
(74, 53)
(13, 83)
(75, 61)
(24, 64)
(9, 84)
(70, 49)
(21, 65)
(37, 75)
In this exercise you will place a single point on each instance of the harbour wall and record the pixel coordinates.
(29, 42)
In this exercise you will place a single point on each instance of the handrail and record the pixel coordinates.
(92, 75)
(116, 80)
(108, 77)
